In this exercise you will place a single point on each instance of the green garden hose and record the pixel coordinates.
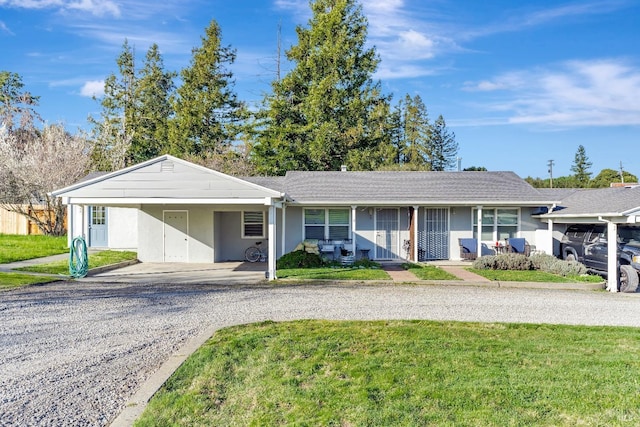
(78, 258)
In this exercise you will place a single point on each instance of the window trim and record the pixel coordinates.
(496, 224)
(327, 222)
(243, 230)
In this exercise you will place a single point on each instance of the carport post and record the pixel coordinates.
(612, 256)
(271, 259)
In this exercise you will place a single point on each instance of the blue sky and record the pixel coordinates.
(519, 83)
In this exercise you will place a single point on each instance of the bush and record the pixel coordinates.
(542, 262)
(299, 259)
(551, 264)
(503, 262)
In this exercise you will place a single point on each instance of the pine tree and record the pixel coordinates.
(580, 168)
(326, 111)
(443, 146)
(14, 102)
(417, 133)
(153, 109)
(114, 131)
(208, 116)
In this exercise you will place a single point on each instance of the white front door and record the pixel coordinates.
(98, 227)
(176, 236)
(387, 235)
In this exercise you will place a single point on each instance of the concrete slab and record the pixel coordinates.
(183, 273)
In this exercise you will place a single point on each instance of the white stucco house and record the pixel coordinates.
(170, 210)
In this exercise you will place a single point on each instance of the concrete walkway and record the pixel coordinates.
(12, 267)
(461, 272)
(399, 274)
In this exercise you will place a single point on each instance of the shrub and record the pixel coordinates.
(542, 262)
(503, 262)
(299, 259)
(551, 264)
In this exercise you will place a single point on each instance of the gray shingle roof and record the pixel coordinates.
(272, 182)
(388, 187)
(600, 201)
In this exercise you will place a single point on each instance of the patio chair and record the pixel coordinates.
(328, 249)
(518, 245)
(347, 254)
(468, 248)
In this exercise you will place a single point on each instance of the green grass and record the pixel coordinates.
(18, 248)
(98, 259)
(333, 273)
(405, 373)
(533, 276)
(429, 272)
(17, 280)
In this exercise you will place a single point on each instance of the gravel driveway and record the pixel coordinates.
(73, 353)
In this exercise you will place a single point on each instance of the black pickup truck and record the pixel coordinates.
(587, 243)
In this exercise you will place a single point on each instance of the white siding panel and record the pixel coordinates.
(181, 182)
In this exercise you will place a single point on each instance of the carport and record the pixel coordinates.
(185, 213)
(219, 273)
(611, 206)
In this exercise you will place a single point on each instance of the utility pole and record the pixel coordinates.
(279, 57)
(550, 164)
(621, 173)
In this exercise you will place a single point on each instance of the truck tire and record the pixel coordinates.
(628, 279)
(569, 256)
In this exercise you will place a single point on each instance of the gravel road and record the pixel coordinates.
(72, 354)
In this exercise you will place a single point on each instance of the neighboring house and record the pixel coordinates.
(188, 213)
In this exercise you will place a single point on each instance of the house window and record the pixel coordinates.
(252, 224)
(98, 215)
(497, 224)
(326, 224)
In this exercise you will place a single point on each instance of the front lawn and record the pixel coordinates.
(98, 259)
(405, 373)
(333, 273)
(429, 272)
(533, 276)
(17, 248)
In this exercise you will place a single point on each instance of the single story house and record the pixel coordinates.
(171, 210)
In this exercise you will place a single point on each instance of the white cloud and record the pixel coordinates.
(5, 29)
(578, 93)
(95, 7)
(93, 88)
(402, 71)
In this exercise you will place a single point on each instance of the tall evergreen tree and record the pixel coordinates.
(208, 116)
(114, 131)
(580, 168)
(417, 133)
(14, 102)
(153, 109)
(327, 111)
(444, 147)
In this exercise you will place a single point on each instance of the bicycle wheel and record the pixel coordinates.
(252, 254)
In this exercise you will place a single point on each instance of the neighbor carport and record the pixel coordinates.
(611, 206)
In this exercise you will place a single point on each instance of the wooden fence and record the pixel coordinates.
(14, 223)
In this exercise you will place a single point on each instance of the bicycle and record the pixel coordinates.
(255, 253)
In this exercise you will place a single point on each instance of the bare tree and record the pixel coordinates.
(32, 167)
